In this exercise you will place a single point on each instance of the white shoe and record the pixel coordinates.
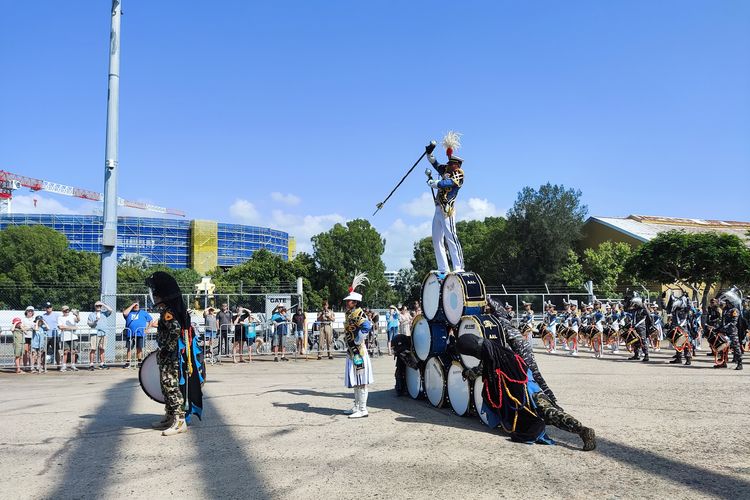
(355, 406)
(73, 367)
(178, 427)
(574, 353)
(553, 351)
(358, 414)
(63, 368)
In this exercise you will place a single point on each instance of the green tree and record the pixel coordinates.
(605, 266)
(36, 265)
(423, 259)
(346, 249)
(542, 226)
(571, 272)
(408, 286)
(694, 260)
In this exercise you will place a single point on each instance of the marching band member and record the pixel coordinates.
(597, 331)
(180, 371)
(641, 323)
(527, 322)
(731, 303)
(444, 221)
(358, 369)
(679, 309)
(573, 323)
(657, 328)
(550, 321)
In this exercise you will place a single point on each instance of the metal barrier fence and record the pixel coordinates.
(83, 344)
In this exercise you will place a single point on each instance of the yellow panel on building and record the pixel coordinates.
(204, 245)
(292, 251)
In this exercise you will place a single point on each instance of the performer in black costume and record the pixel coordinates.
(641, 321)
(181, 369)
(731, 304)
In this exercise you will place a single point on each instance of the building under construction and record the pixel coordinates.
(176, 243)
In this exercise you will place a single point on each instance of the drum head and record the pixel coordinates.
(413, 382)
(431, 296)
(148, 375)
(434, 382)
(421, 338)
(453, 298)
(488, 417)
(459, 391)
(469, 326)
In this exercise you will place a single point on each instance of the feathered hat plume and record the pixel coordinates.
(451, 142)
(359, 280)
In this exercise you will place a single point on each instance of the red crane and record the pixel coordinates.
(9, 182)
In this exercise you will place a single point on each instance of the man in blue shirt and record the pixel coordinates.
(136, 323)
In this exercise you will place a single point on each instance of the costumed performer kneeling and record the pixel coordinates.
(358, 370)
(510, 391)
(181, 371)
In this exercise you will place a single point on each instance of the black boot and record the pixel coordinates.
(739, 365)
(635, 355)
(677, 358)
(688, 362)
(645, 358)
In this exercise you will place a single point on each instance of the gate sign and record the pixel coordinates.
(277, 300)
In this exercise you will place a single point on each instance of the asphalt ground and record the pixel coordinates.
(275, 430)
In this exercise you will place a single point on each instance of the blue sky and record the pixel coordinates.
(300, 114)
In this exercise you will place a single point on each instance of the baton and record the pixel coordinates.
(428, 149)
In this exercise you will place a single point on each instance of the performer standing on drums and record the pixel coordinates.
(502, 373)
(444, 221)
(180, 373)
(731, 302)
(358, 369)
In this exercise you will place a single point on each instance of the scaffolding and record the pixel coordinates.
(174, 243)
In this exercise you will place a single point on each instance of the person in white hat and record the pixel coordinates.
(358, 369)
(98, 336)
(444, 222)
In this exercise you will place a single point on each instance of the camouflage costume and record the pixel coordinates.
(168, 333)
(556, 416)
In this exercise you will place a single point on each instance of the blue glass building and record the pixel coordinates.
(161, 241)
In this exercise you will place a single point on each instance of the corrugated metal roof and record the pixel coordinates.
(646, 227)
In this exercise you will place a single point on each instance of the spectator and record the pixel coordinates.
(224, 321)
(209, 316)
(375, 325)
(279, 319)
(404, 321)
(417, 309)
(18, 343)
(28, 325)
(51, 319)
(325, 326)
(38, 346)
(136, 323)
(68, 323)
(251, 334)
(299, 330)
(241, 315)
(98, 337)
(391, 318)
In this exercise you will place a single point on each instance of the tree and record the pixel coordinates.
(605, 266)
(571, 272)
(36, 266)
(423, 260)
(694, 260)
(542, 226)
(408, 286)
(347, 249)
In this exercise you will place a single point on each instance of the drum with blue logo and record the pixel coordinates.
(462, 294)
(485, 326)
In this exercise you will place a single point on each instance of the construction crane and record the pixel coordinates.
(10, 182)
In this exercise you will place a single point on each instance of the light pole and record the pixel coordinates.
(109, 232)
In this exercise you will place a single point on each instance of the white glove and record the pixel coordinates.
(432, 159)
(432, 183)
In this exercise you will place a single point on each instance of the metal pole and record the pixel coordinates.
(109, 232)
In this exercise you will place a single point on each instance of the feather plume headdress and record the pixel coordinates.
(451, 142)
(359, 280)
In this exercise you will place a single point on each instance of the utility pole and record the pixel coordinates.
(109, 232)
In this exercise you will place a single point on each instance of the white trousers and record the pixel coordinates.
(444, 233)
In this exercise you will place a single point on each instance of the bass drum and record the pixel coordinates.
(485, 326)
(428, 338)
(462, 294)
(431, 295)
(414, 382)
(488, 417)
(149, 377)
(459, 390)
(435, 381)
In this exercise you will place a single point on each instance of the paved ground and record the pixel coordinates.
(274, 430)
